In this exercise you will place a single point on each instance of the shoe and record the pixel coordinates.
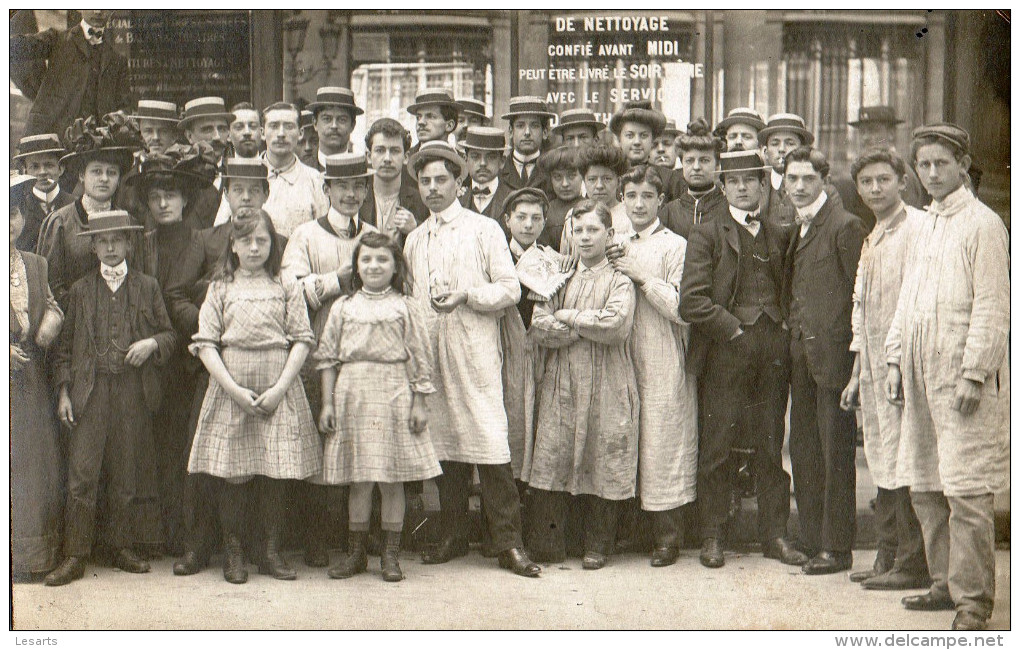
(883, 564)
(445, 551)
(863, 576)
(968, 621)
(389, 561)
(518, 561)
(828, 562)
(233, 561)
(356, 561)
(593, 561)
(273, 563)
(190, 564)
(71, 569)
(712, 553)
(665, 555)
(896, 579)
(128, 560)
(928, 602)
(316, 555)
(782, 550)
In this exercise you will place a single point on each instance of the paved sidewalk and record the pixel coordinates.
(748, 593)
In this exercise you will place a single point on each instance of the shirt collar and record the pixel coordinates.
(648, 231)
(286, 173)
(88, 30)
(491, 185)
(516, 248)
(121, 269)
(521, 158)
(337, 220)
(581, 266)
(48, 197)
(808, 212)
(91, 205)
(952, 203)
(446, 216)
(777, 179)
(740, 216)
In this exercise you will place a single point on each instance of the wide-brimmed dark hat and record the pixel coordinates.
(740, 161)
(473, 107)
(86, 140)
(484, 138)
(204, 107)
(335, 96)
(152, 109)
(194, 165)
(436, 150)
(578, 117)
(640, 112)
(433, 97)
(947, 131)
(346, 166)
(880, 114)
(786, 122)
(670, 129)
(250, 168)
(32, 145)
(108, 221)
(528, 105)
(740, 115)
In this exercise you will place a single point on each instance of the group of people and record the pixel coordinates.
(233, 311)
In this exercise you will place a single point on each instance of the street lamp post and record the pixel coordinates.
(295, 29)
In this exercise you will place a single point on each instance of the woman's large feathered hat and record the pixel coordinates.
(115, 137)
(192, 165)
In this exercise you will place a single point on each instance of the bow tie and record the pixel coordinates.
(802, 219)
(481, 191)
(751, 217)
(112, 275)
(94, 33)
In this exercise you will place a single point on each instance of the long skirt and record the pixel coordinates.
(37, 500)
(373, 439)
(229, 443)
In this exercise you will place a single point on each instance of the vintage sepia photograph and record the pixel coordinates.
(510, 319)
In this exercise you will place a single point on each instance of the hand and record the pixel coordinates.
(419, 416)
(245, 398)
(403, 220)
(18, 357)
(565, 316)
(267, 402)
(848, 401)
(309, 290)
(447, 302)
(894, 385)
(968, 396)
(65, 412)
(318, 288)
(616, 250)
(629, 267)
(140, 351)
(327, 419)
(568, 263)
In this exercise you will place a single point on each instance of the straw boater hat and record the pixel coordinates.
(528, 105)
(880, 114)
(786, 122)
(346, 166)
(485, 138)
(86, 140)
(578, 117)
(473, 107)
(250, 168)
(640, 112)
(740, 161)
(433, 97)
(108, 221)
(193, 165)
(38, 144)
(741, 115)
(151, 109)
(204, 107)
(436, 150)
(335, 96)
(946, 131)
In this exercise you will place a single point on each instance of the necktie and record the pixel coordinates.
(526, 172)
(802, 219)
(481, 191)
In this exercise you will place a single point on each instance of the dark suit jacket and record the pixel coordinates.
(491, 210)
(62, 87)
(821, 269)
(673, 184)
(709, 282)
(32, 210)
(409, 199)
(682, 213)
(509, 177)
(776, 206)
(74, 359)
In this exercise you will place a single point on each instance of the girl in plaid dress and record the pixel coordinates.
(255, 422)
(375, 362)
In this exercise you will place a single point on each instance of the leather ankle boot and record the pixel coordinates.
(273, 564)
(356, 560)
(233, 561)
(389, 561)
